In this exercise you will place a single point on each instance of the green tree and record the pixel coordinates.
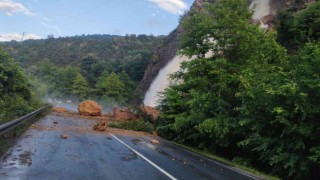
(80, 87)
(16, 95)
(295, 28)
(240, 97)
(111, 88)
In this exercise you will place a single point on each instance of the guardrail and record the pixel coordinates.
(12, 124)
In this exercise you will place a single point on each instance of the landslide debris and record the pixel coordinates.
(150, 112)
(100, 126)
(154, 141)
(59, 109)
(123, 114)
(89, 108)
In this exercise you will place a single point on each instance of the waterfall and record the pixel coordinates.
(261, 8)
(162, 81)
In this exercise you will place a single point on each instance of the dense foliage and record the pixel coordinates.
(244, 96)
(102, 67)
(16, 94)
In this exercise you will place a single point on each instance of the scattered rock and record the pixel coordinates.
(101, 126)
(123, 114)
(89, 108)
(59, 109)
(150, 112)
(154, 141)
(64, 136)
(55, 122)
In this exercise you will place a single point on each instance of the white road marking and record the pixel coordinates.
(146, 159)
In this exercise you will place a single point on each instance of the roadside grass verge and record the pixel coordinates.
(9, 138)
(137, 125)
(226, 161)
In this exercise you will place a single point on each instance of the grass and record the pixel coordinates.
(226, 161)
(138, 125)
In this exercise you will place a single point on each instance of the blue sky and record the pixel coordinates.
(39, 18)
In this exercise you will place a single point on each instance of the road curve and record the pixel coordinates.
(41, 153)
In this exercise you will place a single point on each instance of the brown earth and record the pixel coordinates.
(59, 109)
(123, 114)
(150, 112)
(89, 108)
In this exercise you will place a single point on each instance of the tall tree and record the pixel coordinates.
(15, 94)
(111, 88)
(80, 87)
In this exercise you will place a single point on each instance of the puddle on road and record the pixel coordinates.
(25, 158)
(128, 157)
(4, 174)
(135, 141)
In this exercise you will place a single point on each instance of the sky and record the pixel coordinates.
(37, 19)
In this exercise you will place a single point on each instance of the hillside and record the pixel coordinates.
(106, 67)
(70, 50)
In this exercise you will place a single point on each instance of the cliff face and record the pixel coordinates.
(170, 46)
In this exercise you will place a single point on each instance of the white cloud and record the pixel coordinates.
(10, 8)
(173, 6)
(17, 37)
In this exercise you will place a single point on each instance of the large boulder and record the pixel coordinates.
(89, 108)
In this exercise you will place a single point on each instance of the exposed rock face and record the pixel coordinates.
(89, 108)
(59, 109)
(150, 112)
(268, 19)
(123, 114)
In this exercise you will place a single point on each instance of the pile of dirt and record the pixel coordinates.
(59, 109)
(89, 108)
(150, 112)
(100, 126)
(123, 114)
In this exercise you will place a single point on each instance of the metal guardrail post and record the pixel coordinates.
(7, 126)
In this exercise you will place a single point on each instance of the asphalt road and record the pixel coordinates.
(41, 153)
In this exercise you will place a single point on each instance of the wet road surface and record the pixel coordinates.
(41, 153)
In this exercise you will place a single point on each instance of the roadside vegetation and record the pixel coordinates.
(17, 93)
(137, 125)
(255, 101)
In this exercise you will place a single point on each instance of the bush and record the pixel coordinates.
(138, 125)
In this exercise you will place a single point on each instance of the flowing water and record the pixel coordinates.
(260, 8)
(162, 81)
